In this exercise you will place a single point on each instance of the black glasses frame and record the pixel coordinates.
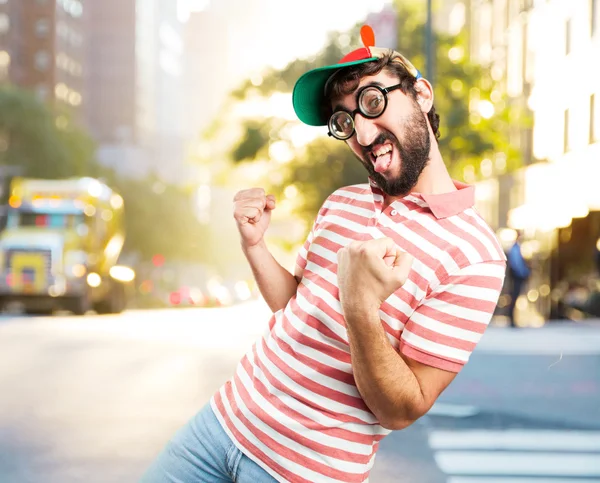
(383, 90)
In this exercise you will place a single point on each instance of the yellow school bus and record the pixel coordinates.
(60, 247)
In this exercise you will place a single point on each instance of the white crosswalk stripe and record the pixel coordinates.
(549, 340)
(517, 456)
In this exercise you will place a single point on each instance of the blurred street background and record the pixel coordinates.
(126, 127)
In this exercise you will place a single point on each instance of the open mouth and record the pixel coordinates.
(381, 157)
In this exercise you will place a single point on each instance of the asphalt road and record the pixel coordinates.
(92, 399)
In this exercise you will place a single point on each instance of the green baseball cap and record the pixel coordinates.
(309, 91)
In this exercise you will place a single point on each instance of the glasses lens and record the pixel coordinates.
(371, 102)
(341, 125)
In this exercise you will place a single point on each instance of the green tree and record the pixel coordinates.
(42, 140)
(461, 88)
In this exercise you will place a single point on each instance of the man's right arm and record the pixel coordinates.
(252, 213)
(275, 283)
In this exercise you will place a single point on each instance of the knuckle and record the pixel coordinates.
(363, 248)
(240, 195)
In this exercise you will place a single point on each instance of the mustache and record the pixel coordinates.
(380, 139)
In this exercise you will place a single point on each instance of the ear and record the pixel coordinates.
(424, 94)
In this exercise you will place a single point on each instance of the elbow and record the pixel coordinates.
(397, 420)
(276, 306)
(396, 424)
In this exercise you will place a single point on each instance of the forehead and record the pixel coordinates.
(383, 78)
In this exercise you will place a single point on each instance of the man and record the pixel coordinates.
(519, 273)
(392, 290)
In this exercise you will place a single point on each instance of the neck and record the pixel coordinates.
(434, 179)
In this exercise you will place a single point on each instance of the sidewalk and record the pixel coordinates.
(561, 337)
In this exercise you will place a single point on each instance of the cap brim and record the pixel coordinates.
(309, 91)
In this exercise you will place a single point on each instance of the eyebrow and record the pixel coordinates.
(340, 107)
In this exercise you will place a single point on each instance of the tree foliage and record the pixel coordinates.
(44, 142)
(255, 137)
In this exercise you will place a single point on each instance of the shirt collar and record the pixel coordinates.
(443, 205)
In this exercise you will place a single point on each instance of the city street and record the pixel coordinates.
(93, 399)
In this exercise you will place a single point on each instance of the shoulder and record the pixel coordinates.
(356, 191)
(348, 195)
(467, 239)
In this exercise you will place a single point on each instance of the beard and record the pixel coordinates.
(414, 155)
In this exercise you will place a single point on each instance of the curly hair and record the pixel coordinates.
(345, 81)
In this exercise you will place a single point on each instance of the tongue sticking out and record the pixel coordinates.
(382, 163)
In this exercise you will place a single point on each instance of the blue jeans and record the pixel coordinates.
(202, 452)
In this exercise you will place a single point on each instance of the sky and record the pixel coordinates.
(278, 31)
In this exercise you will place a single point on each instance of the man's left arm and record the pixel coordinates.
(400, 387)
(397, 389)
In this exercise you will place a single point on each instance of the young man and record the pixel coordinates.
(392, 290)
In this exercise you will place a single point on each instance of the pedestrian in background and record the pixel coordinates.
(519, 273)
(597, 255)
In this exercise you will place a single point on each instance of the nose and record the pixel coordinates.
(365, 128)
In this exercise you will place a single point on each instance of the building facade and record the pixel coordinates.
(541, 53)
(42, 49)
(110, 76)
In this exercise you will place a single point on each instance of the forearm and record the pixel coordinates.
(387, 385)
(275, 283)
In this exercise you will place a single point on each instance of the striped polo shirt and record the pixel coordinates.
(293, 405)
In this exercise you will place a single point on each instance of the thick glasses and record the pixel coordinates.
(371, 102)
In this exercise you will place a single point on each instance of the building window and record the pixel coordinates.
(42, 60)
(72, 7)
(42, 28)
(4, 23)
(61, 91)
(594, 136)
(568, 37)
(4, 58)
(566, 132)
(42, 91)
(4, 64)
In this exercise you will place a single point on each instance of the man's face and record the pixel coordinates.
(394, 147)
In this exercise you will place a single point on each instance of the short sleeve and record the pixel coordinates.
(447, 325)
(302, 257)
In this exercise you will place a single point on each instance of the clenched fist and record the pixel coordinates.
(370, 271)
(252, 213)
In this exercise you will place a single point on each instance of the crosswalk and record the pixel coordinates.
(517, 455)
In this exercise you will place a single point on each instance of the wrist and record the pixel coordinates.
(361, 307)
(259, 246)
